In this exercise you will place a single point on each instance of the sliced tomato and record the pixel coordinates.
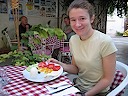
(56, 68)
(51, 66)
(42, 64)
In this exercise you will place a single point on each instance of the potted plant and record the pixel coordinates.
(27, 57)
(37, 32)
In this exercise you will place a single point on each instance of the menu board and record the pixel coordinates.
(45, 8)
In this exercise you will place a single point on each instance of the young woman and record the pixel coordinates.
(93, 52)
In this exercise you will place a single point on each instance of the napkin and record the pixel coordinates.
(65, 92)
(64, 73)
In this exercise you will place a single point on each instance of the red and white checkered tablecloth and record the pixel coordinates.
(19, 86)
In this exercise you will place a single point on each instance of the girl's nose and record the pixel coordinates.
(78, 23)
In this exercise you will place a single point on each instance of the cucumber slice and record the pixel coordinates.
(29, 67)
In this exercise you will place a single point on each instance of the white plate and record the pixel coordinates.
(41, 77)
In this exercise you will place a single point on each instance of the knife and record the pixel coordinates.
(63, 89)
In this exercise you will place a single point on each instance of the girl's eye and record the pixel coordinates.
(72, 20)
(82, 18)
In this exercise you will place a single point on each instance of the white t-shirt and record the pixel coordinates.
(88, 56)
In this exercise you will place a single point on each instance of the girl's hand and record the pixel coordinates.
(80, 94)
(52, 60)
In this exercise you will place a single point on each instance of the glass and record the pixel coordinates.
(4, 80)
(4, 76)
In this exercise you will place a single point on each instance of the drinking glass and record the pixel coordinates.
(4, 80)
(4, 76)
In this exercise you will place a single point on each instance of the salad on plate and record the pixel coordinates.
(42, 72)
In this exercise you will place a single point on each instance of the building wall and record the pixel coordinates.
(33, 20)
(114, 24)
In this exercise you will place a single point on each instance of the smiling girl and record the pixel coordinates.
(93, 52)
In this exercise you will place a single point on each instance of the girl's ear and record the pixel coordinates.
(92, 18)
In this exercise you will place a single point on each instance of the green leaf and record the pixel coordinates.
(31, 46)
(51, 31)
(24, 35)
(22, 63)
(25, 59)
(60, 34)
(24, 41)
(41, 27)
(45, 29)
(10, 53)
(2, 60)
(4, 56)
(43, 34)
(27, 52)
(16, 55)
(36, 40)
(36, 32)
(65, 36)
(14, 47)
(17, 64)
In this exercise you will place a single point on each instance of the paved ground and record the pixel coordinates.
(122, 46)
(122, 53)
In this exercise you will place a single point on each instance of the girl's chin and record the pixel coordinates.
(79, 31)
(80, 34)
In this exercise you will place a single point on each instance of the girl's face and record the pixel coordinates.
(80, 21)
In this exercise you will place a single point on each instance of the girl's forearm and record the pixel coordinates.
(70, 68)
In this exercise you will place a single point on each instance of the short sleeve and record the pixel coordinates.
(70, 45)
(107, 47)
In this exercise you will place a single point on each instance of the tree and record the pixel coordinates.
(102, 8)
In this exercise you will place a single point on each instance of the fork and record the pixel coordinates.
(64, 88)
(59, 86)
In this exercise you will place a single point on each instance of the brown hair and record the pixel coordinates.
(66, 17)
(83, 4)
(22, 17)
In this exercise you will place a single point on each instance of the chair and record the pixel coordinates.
(119, 83)
(12, 43)
(120, 80)
(65, 52)
(49, 49)
(9, 41)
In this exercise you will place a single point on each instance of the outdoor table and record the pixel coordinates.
(20, 86)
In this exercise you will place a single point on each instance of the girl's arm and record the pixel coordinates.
(109, 65)
(70, 68)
